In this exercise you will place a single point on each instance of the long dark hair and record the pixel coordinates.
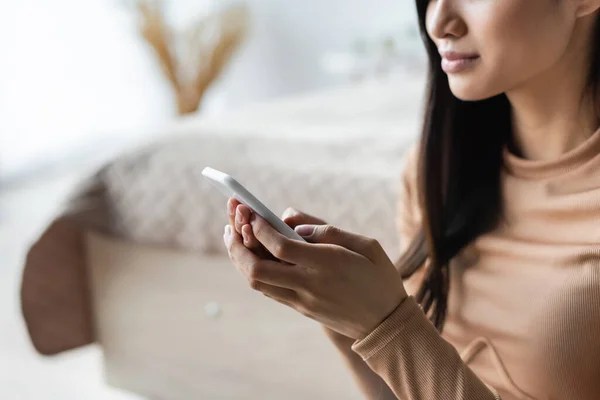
(460, 162)
(459, 179)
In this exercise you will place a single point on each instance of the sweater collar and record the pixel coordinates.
(571, 160)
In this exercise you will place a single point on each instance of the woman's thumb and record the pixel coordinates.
(293, 218)
(328, 234)
(306, 231)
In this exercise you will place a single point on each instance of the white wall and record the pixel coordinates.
(70, 71)
(290, 37)
(74, 73)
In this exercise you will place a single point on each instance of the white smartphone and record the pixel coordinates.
(232, 188)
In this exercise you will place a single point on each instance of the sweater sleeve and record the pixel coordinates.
(416, 362)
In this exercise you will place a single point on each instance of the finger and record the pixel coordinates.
(284, 302)
(253, 244)
(232, 204)
(280, 246)
(250, 240)
(242, 217)
(260, 270)
(279, 294)
(294, 217)
(329, 234)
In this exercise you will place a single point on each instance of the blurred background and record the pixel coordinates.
(82, 82)
(73, 71)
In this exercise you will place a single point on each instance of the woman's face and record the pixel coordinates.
(490, 47)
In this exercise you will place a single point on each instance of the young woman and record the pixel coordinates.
(499, 216)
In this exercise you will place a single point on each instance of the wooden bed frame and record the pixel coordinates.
(155, 318)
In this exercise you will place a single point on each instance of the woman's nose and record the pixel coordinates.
(444, 20)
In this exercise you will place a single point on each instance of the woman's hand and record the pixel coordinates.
(240, 216)
(342, 280)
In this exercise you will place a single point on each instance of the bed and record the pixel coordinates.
(135, 262)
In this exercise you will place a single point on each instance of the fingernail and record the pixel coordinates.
(238, 216)
(245, 236)
(230, 208)
(305, 230)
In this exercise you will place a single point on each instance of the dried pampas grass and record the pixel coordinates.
(192, 61)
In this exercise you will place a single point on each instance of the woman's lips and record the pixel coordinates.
(454, 62)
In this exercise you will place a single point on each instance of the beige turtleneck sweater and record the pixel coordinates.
(524, 304)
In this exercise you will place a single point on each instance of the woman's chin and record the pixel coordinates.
(469, 89)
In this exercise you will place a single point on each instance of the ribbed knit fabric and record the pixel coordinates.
(524, 305)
